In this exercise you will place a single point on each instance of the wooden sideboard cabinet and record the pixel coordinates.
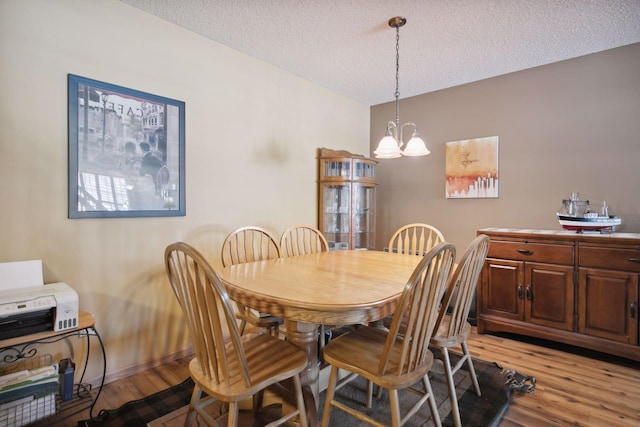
(578, 289)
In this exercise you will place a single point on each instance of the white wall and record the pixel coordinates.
(252, 131)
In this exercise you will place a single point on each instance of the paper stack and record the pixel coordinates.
(28, 395)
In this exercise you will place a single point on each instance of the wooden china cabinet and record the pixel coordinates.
(346, 199)
(579, 289)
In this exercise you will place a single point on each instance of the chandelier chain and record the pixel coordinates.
(390, 145)
(397, 62)
(397, 94)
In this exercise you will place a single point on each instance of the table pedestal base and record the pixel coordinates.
(305, 336)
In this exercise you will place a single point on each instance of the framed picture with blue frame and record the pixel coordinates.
(126, 152)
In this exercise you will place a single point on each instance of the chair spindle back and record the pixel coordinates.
(248, 244)
(462, 286)
(415, 239)
(415, 317)
(301, 240)
(209, 313)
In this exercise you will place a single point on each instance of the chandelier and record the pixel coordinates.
(390, 145)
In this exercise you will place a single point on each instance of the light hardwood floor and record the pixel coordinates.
(573, 387)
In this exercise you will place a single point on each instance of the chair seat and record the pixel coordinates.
(442, 339)
(269, 360)
(367, 344)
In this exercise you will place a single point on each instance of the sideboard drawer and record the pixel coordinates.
(610, 258)
(536, 252)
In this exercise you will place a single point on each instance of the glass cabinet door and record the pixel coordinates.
(337, 226)
(336, 169)
(364, 169)
(363, 216)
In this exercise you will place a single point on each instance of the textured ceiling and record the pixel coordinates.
(347, 45)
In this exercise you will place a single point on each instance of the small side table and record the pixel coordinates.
(24, 347)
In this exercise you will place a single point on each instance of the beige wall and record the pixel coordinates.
(252, 132)
(568, 126)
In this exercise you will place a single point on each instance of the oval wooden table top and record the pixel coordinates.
(337, 287)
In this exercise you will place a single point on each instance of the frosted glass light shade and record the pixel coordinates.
(416, 147)
(388, 148)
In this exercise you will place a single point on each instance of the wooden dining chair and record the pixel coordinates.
(248, 244)
(301, 240)
(452, 327)
(415, 239)
(387, 358)
(227, 367)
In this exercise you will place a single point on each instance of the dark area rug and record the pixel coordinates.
(486, 410)
(497, 385)
(139, 412)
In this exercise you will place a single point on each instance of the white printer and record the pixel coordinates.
(26, 308)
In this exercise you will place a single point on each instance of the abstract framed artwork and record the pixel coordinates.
(472, 168)
(126, 152)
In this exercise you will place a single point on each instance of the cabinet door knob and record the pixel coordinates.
(525, 251)
(529, 293)
(520, 296)
(633, 309)
(636, 260)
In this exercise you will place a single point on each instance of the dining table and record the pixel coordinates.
(342, 287)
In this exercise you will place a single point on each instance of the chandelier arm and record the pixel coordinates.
(394, 130)
(403, 126)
